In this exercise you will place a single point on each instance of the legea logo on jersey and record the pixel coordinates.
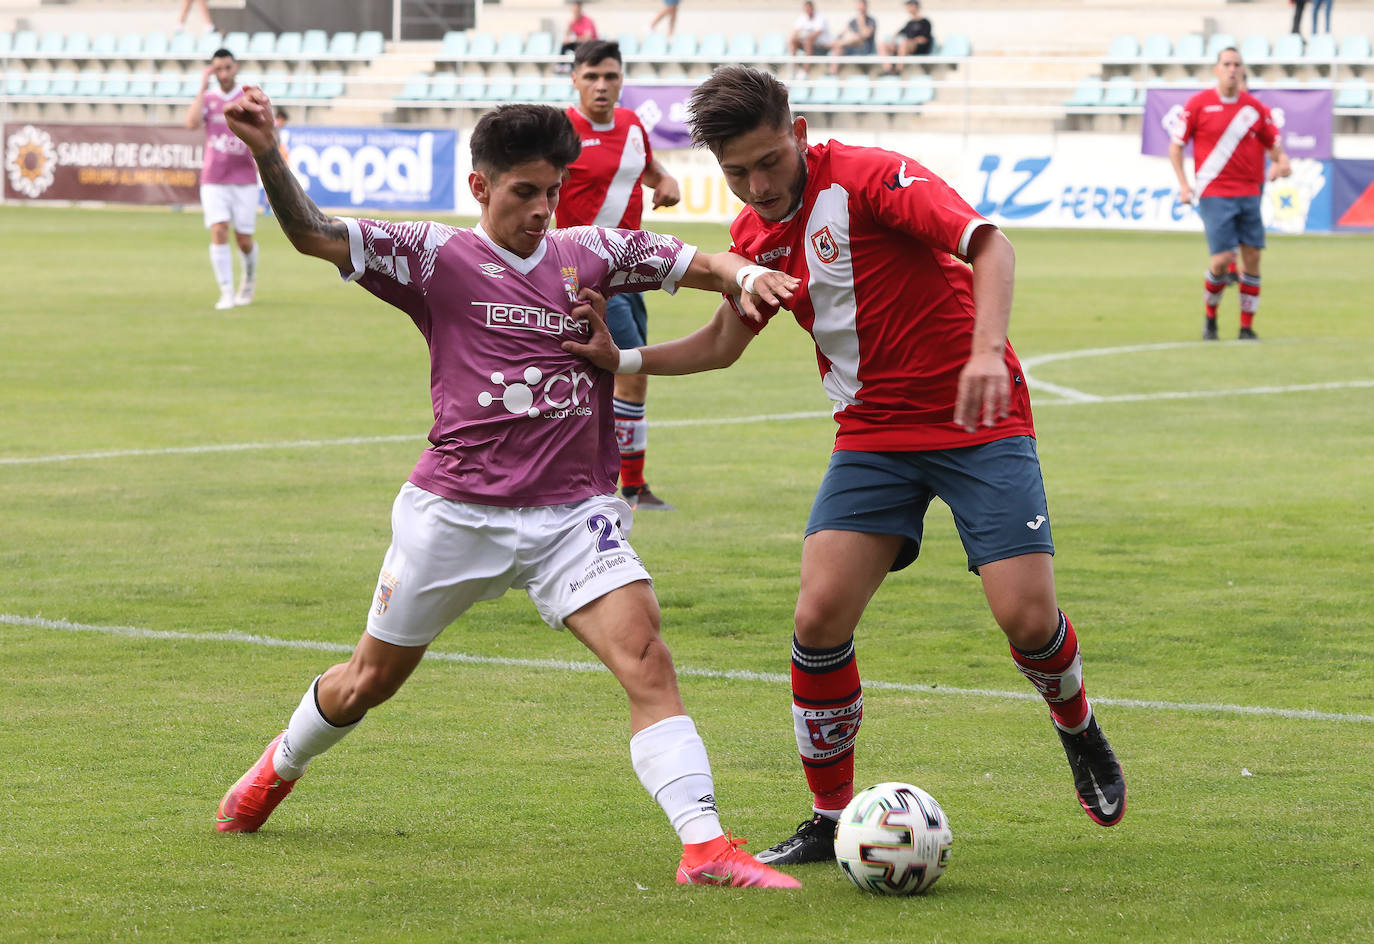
(556, 396)
(532, 318)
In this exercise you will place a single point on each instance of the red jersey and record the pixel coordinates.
(602, 188)
(1230, 138)
(881, 294)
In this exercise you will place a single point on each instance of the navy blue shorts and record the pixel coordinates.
(628, 320)
(994, 490)
(1231, 222)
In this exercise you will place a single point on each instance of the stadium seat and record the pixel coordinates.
(826, 92)
(13, 84)
(302, 86)
(1086, 94)
(454, 46)
(1355, 48)
(501, 89)
(331, 84)
(540, 44)
(237, 43)
(25, 44)
(208, 43)
(473, 88)
(919, 91)
(1190, 47)
(156, 44)
(78, 45)
(288, 44)
(558, 89)
(1321, 49)
(773, 46)
(1217, 43)
(315, 44)
(140, 86)
(510, 46)
(1254, 49)
(956, 45)
(88, 83)
(190, 85)
(37, 85)
(654, 47)
(1287, 48)
(886, 91)
(629, 44)
(481, 45)
(854, 91)
(799, 93)
(682, 46)
(1124, 48)
(530, 88)
(114, 85)
(182, 46)
(713, 46)
(1353, 94)
(52, 44)
(103, 45)
(343, 43)
(276, 83)
(63, 85)
(371, 43)
(6, 42)
(1121, 92)
(742, 46)
(416, 88)
(262, 45)
(1156, 48)
(168, 86)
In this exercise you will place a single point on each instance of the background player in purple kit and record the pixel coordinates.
(228, 181)
(518, 486)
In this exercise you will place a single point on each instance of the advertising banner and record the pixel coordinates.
(1352, 194)
(401, 169)
(663, 111)
(1303, 117)
(111, 163)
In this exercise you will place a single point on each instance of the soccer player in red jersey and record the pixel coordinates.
(1231, 131)
(603, 189)
(930, 401)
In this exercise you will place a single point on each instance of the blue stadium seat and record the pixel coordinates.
(237, 42)
(799, 93)
(1121, 92)
(1355, 48)
(331, 84)
(540, 44)
(168, 86)
(315, 44)
(288, 44)
(1321, 48)
(886, 91)
(37, 85)
(825, 93)
(473, 88)
(713, 46)
(182, 46)
(52, 43)
(1256, 82)
(63, 85)
(682, 46)
(742, 46)
(1190, 46)
(1124, 47)
(530, 88)
(371, 43)
(854, 91)
(302, 86)
(275, 83)
(1217, 43)
(25, 44)
(919, 91)
(481, 45)
(1288, 48)
(416, 88)
(114, 85)
(1353, 94)
(103, 45)
(501, 88)
(140, 86)
(455, 45)
(78, 45)
(1086, 94)
(655, 46)
(343, 43)
(6, 42)
(629, 44)
(956, 45)
(773, 46)
(13, 84)
(190, 85)
(510, 46)
(1255, 49)
(262, 45)
(156, 44)
(208, 43)
(88, 83)
(1156, 48)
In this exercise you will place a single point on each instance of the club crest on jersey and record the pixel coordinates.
(386, 585)
(827, 250)
(570, 282)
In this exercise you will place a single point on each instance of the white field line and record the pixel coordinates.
(777, 678)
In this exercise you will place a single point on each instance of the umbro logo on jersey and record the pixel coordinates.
(493, 270)
(900, 180)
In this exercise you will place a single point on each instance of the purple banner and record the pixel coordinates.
(663, 110)
(1303, 117)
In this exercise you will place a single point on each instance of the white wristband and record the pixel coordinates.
(630, 361)
(747, 275)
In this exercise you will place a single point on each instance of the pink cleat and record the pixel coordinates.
(250, 801)
(728, 864)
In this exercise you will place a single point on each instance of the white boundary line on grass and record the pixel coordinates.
(136, 632)
(1070, 397)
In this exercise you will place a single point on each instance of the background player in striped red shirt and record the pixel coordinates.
(603, 189)
(929, 398)
(1231, 131)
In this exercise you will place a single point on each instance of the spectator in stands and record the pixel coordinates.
(668, 12)
(1317, 7)
(228, 181)
(858, 38)
(913, 39)
(580, 29)
(1297, 6)
(810, 33)
(203, 7)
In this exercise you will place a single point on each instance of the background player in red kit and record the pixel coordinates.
(1231, 131)
(602, 189)
(930, 400)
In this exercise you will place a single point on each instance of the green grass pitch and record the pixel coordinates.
(194, 504)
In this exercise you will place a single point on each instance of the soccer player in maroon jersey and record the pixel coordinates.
(603, 189)
(517, 489)
(1231, 131)
(930, 401)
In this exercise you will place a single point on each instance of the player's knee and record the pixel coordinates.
(820, 624)
(649, 667)
(1030, 624)
(367, 686)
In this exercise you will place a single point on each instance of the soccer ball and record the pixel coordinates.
(893, 839)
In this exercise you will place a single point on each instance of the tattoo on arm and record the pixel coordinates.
(305, 224)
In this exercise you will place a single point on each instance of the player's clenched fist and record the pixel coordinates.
(250, 118)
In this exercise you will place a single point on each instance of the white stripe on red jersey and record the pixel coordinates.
(602, 188)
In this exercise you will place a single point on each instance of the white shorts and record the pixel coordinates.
(235, 204)
(447, 555)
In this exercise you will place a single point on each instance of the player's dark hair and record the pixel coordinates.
(513, 134)
(222, 53)
(597, 50)
(1223, 51)
(734, 101)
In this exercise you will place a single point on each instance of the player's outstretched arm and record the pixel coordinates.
(306, 225)
(984, 395)
(716, 344)
(763, 290)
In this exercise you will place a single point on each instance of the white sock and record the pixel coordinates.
(670, 760)
(249, 261)
(222, 262)
(308, 735)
